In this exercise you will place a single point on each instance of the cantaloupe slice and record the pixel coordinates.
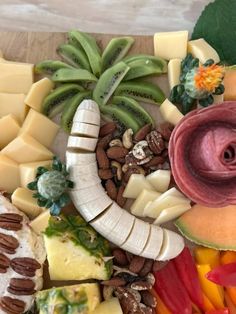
(230, 84)
(211, 227)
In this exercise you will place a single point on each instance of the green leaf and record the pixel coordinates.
(217, 25)
(41, 170)
(32, 185)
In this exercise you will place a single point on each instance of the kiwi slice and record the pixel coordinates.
(90, 48)
(70, 108)
(123, 119)
(54, 102)
(50, 66)
(116, 49)
(74, 56)
(108, 82)
(141, 91)
(147, 58)
(134, 109)
(73, 75)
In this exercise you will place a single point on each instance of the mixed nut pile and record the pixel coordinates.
(121, 155)
(131, 283)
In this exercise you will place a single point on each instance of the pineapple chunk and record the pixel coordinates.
(81, 298)
(141, 201)
(75, 251)
(109, 306)
(40, 223)
(136, 184)
(160, 179)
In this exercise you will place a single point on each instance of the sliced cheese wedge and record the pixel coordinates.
(13, 104)
(9, 128)
(87, 116)
(80, 159)
(154, 243)
(9, 174)
(172, 245)
(137, 208)
(82, 143)
(171, 213)
(136, 184)
(170, 112)
(85, 129)
(160, 179)
(200, 49)
(174, 69)
(40, 223)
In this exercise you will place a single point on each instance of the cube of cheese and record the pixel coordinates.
(15, 78)
(174, 68)
(200, 49)
(28, 171)
(40, 223)
(14, 104)
(9, 128)
(141, 201)
(136, 184)
(170, 112)
(40, 128)
(24, 201)
(9, 174)
(171, 45)
(160, 179)
(24, 148)
(38, 92)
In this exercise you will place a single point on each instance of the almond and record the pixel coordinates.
(136, 264)
(120, 257)
(104, 141)
(105, 174)
(120, 200)
(103, 161)
(111, 189)
(115, 282)
(107, 128)
(142, 133)
(117, 152)
(155, 161)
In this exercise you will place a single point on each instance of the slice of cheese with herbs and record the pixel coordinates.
(40, 223)
(9, 128)
(13, 104)
(200, 49)
(40, 128)
(38, 92)
(174, 68)
(9, 174)
(24, 148)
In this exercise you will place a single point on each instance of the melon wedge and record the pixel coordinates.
(211, 227)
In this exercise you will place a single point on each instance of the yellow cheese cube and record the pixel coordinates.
(9, 174)
(9, 128)
(40, 223)
(25, 149)
(200, 49)
(174, 68)
(170, 112)
(38, 92)
(15, 78)
(171, 45)
(40, 128)
(28, 171)
(24, 201)
(13, 103)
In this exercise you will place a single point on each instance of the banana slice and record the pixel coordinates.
(83, 196)
(173, 244)
(83, 143)
(83, 170)
(138, 237)
(79, 159)
(89, 104)
(154, 243)
(87, 116)
(85, 129)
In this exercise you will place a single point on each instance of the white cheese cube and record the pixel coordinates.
(170, 112)
(141, 201)
(9, 128)
(174, 68)
(200, 49)
(160, 179)
(136, 184)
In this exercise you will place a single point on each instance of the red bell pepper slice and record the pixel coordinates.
(224, 275)
(188, 274)
(222, 311)
(171, 290)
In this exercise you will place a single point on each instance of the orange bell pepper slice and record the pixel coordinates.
(230, 304)
(161, 307)
(228, 257)
(208, 306)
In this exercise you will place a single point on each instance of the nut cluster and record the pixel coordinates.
(121, 155)
(131, 283)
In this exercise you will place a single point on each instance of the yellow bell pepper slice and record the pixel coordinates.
(228, 257)
(209, 256)
(212, 291)
(208, 306)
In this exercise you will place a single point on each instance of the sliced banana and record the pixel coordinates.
(87, 116)
(154, 243)
(74, 158)
(138, 238)
(83, 170)
(89, 104)
(83, 143)
(85, 129)
(172, 245)
(83, 196)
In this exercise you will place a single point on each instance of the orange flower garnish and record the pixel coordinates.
(209, 78)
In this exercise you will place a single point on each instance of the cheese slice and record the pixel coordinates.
(15, 78)
(170, 112)
(141, 201)
(40, 128)
(136, 184)
(28, 171)
(9, 128)
(23, 199)
(40, 223)
(9, 174)
(25, 149)
(200, 49)
(13, 104)
(171, 45)
(38, 92)
(171, 213)
(174, 69)
(159, 179)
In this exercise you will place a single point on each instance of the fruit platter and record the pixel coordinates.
(117, 171)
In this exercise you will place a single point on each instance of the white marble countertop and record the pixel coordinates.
(102, 16)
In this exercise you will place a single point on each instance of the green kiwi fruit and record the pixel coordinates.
(50, 66)
(141, 91)
(74, 56)
(147, 58)
(54, 102)
(70, 108)
(108, 82)
(134, 109)
(90, 48)
(73, 75)
(116, 49)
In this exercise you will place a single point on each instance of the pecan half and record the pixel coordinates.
(12, 306)
(155, 142)
(25, 266)
(8, 244)
(4, 263)
(11, 221)
(20, 286)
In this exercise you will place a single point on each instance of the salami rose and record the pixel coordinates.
(202, 152)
